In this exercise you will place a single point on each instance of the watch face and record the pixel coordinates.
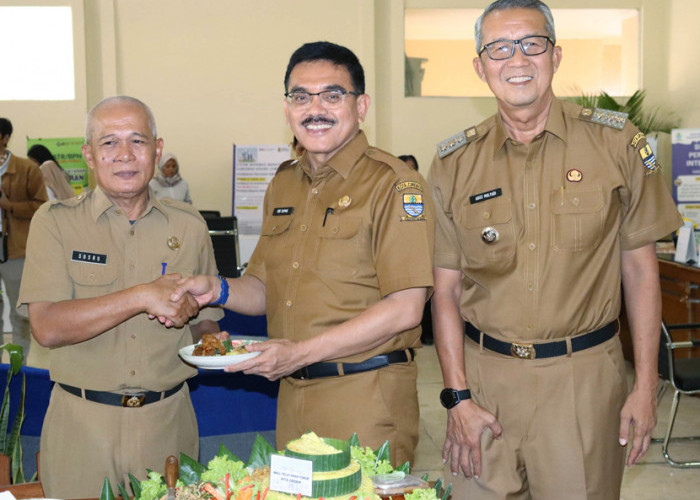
(448, 398)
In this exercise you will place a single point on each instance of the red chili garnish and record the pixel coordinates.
(265, 493)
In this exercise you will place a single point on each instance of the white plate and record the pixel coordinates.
(219, 362)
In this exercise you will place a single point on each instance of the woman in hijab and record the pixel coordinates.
(56, 179)
(167, 182)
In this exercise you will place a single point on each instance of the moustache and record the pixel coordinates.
(317, 119)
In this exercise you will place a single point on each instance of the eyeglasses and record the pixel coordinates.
(505, 49)
(329, 98)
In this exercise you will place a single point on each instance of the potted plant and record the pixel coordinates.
(10, 444)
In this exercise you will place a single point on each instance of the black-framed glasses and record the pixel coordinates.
(329, 98)
(505, 49)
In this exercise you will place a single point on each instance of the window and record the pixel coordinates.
(601, 51)
(37, 47)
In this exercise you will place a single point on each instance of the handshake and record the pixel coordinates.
(174, 300)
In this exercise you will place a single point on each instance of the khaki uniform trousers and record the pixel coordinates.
(379, 405)
(561, 422)
(83, 442)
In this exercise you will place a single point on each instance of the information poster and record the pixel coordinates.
(67, 151)
(253, 168)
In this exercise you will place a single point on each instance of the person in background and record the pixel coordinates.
(543, 211)
(426, 336)
(97, 266)
(167, 183)
(342, 269)
(56, 179)
(22, 192)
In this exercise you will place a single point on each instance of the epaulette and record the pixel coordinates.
(457, 141)
(614, 119)
(70, 202)
(181, 205)
(384, 157)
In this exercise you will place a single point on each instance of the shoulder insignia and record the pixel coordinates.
(392, 161)
(614, 119)
(455, 142)
(71, 202)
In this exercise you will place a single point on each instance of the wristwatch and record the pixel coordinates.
(450, 397)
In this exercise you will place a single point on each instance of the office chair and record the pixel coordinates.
(224, 237)
(684, 376)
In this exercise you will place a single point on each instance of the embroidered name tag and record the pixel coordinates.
(494, 193)
(92, 258)
(283, 211)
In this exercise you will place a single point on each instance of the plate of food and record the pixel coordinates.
(213, 354)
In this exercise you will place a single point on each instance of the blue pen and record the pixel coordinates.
(164, 264)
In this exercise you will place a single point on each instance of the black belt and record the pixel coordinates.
(320, 370)
(128, 400)
(544, 349)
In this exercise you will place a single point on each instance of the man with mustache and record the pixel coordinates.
(542, 211)
(342, 269)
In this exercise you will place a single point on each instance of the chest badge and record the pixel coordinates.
(345, 201)
(489, 235)
(574, 175)
(173, 243)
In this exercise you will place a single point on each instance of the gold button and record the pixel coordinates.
(131, 232)
(575, 201)
(118, 212)
(295, 265)
(133, 336)
(532, 206)
(289, 303)
(303, 228)
(314, 190)
(531, 287)
(532, 246)
(133, 372)
(274, 228)
(486, 215)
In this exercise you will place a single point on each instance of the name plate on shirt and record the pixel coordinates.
(92, 258)
(291, 475)
(487, 195)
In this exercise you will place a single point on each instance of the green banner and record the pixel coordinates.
(67, 152)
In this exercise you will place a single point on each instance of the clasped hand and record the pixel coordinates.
(170, 311)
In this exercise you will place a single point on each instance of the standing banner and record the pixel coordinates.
(67, 152)
(253, 168)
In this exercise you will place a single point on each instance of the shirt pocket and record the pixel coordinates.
(339, 245)
(577, 219)
(274, 236)
(92, 280)
(496, 218)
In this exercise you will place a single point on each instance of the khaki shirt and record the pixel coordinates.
(85, 247)
(334, 244)
(563, 207)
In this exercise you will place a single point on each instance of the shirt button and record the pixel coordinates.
(295, 265)
(532, 246)
(303, 228)
(529, 327)
(133, 372)
(575, 201)
(486, 215)
(131, 232)
(132, 266)
(335, 229)
(289, 303)
(118, 212)
(532, 206)
(314, 190)
(133, 336)
(530, 288)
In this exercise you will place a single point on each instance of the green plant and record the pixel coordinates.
(646, 120)
(10, 443)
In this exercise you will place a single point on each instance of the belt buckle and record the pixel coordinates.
(133, 400)
(522, 351)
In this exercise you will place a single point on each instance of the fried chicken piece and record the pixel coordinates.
(210, 346)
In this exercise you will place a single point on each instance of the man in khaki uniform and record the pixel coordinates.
(543, 210)
(341, 269)
(21, 194)
(97, 266)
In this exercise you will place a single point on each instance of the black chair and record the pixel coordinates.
(224, 236)
(210, 214)
(684, 376)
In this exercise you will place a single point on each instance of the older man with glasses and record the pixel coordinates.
(542, 211)
(342, 268)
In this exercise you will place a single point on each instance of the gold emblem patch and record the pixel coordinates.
(344, 201)
(173, 243)
(574, 175)
(636, 139)
(409, 185)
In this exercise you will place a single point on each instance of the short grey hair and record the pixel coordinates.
(516, 4)
(118, 99)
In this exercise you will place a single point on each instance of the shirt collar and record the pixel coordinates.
(555, 125)
(101, 204)
(343, 161)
